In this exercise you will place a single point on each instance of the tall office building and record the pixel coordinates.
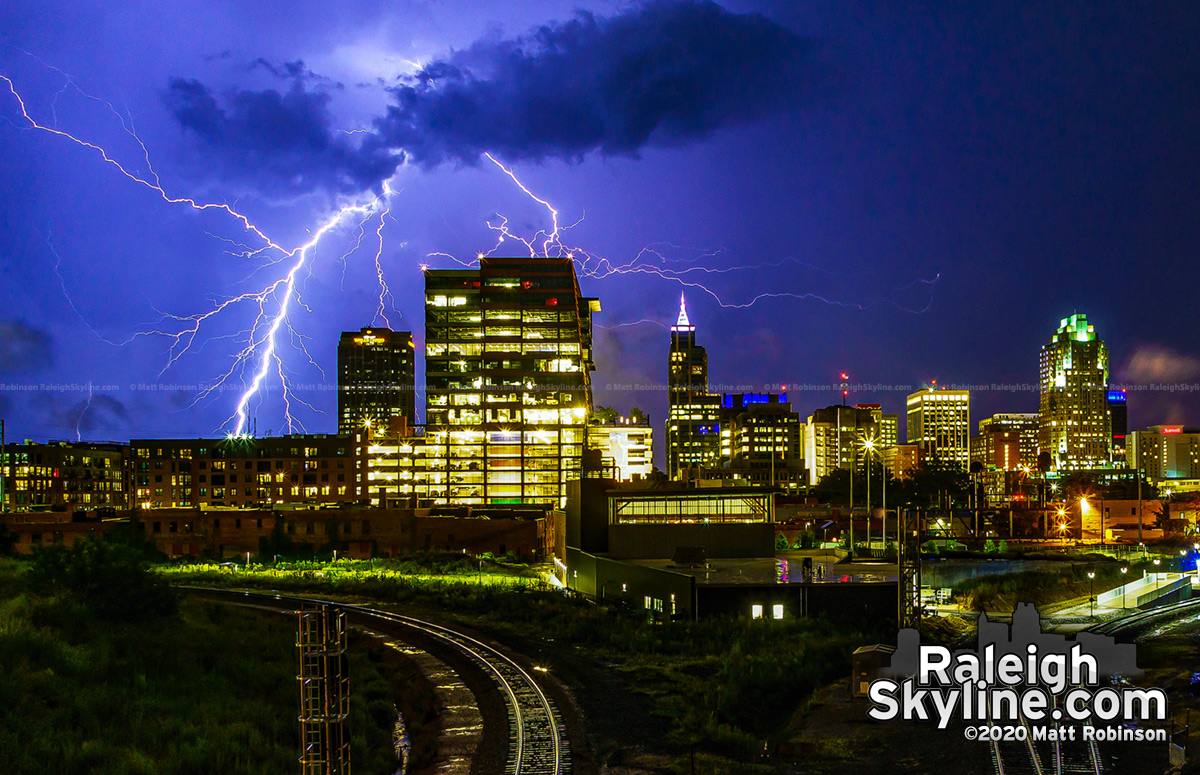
(375, 378)
(1166, 452)
(1025, 425)
(940, 422)
(762, 439)
(1118, 420)
(889, 425)
(693, 415)
(508, 362)
(834, 435)
(1073, 420)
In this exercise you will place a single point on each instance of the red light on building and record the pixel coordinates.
(1172, 429)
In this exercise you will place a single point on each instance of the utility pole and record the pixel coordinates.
(1139, 506)
(853, 463)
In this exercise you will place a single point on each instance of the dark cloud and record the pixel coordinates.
(659, 74)
(295, 71)
(82, 414)
(23, 347)
(279, 140)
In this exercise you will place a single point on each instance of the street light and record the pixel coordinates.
(1156, 561)
(868, 445)
(1091, 595)
(1124, 590)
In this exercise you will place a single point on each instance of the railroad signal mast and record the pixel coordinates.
(324, 691)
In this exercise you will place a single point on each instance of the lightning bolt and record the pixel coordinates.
(260, 352)
(652, 261)
(82, 412)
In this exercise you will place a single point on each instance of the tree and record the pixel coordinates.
(637, 415)
(110, 578)
(781, 543)
(605, 414)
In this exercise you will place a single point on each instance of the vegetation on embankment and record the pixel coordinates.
(725, 685)
(106, 670)
(1003, 591)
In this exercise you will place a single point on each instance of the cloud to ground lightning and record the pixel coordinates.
(260, 352)
(658, 74)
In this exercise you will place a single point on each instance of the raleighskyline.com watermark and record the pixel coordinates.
(1021, 685)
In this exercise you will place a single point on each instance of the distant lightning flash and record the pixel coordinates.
(273, 302)
(82, 412)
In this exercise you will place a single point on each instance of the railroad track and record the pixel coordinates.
(1024, 757)
(1015, 757)
(537, 737)
(1139, 622)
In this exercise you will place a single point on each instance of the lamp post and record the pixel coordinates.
(1124, 591)
(1156, 562)
(1091, 595)
(868, 445)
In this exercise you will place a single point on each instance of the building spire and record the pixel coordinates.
(682, 322)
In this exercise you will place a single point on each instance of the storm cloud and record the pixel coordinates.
(658, 74)
(23, 347)
(280, 140)
(662, 74)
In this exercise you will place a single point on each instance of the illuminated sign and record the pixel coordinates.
(1116, 396)
(1172, 429)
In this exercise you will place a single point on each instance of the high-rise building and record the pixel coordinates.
(1165, 452)
(762, 440)
(693, 415)
(1073, 420)
(1118, 420)
(375, 378)
(940, 422)
(508, 362)
(833, 438)
(1024, 424)
(626, 446)
(889, 425)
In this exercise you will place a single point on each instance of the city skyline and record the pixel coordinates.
(1084, 173)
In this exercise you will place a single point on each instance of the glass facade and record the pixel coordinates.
(507, 374)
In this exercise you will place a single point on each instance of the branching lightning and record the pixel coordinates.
(260, 352)
(650, 260)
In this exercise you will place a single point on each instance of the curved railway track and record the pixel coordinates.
(537, 737)
(1137, 624)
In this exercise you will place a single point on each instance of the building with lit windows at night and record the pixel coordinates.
(626, 446)
(1073, 417)
(1118, 420)
(693, 415)
(834, 437)
(508, 362)
(60, 474)
(1024, 424)
(247, 472)
(762, 441)
(939, 421)
(1166, 453)
(375, 378)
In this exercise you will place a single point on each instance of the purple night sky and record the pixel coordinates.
(927, 190)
